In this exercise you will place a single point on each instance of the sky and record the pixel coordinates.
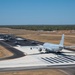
(31, 12)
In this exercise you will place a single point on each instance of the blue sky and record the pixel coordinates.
(16, 12)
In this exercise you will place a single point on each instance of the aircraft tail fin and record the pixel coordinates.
(62, 40)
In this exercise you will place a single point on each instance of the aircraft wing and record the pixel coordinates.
(69, 46)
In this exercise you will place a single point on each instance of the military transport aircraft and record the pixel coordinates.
(49, 47)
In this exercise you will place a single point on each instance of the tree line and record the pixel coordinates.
(41, 27)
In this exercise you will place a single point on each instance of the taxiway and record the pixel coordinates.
(27, 57)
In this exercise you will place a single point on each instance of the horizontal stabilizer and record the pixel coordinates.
(69, 46)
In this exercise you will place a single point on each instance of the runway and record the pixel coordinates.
(70, 68)
(27, 57)
(41, 61)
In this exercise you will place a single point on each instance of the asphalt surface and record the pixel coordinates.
(16, 53)
(13, 41)
(68, 71)
(26, 42)
(9, 43)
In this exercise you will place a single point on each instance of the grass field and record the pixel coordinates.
(43, 36)
(35, 72)
(4, 52)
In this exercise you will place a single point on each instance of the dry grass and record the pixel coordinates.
(52, 38)
(43, 36)
(34, 72)
(4, 52)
